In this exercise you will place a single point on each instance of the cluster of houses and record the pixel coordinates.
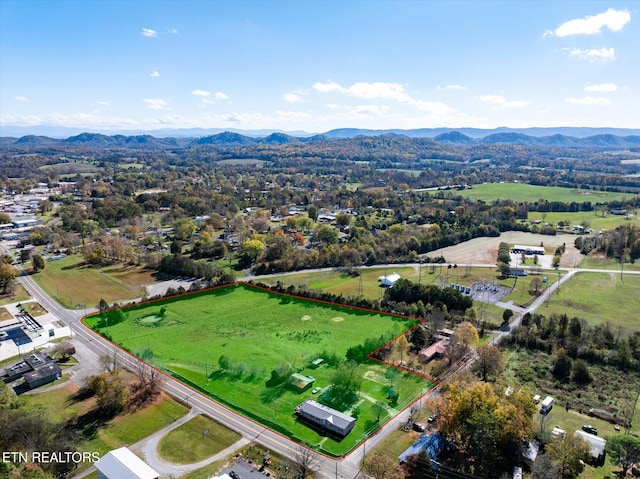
(22, 210)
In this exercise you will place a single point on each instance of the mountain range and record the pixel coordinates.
(600, 138)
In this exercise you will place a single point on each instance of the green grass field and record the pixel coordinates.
(188, 443)
(596, 221)
(71, 283)
(599, 297)
(522, 192)
(259, 331)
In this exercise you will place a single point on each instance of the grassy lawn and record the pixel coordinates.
(123, 430)
(188, 443)
(599, 297)
(18, 294)
(596, 221)
(522, 192)
(59, 404)
(600, 262)
(71, 283)
(127, 429)
(339, 282)
(259, 331)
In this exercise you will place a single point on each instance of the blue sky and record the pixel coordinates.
(318, 65)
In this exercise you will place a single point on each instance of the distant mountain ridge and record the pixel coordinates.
(231, 139)
(179, 133)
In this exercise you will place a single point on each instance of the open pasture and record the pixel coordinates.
(595, 221)
(599, 297)
(520, 192)
(258, 331)
(72, 283)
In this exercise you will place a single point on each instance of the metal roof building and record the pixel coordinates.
(326, 418)
(123, 464)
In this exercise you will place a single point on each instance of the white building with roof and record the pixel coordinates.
(123, 464)
(389, 280)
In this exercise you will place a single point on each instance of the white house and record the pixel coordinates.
(123, 464)
(389, 280)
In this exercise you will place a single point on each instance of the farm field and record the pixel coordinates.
(340, 282)
(600, 262)
(599, 297)
(520, 192)
(485, 250)
(596, 221)
(71, 283)
(258, 331)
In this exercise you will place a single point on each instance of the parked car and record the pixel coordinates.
(315, 390)
(432, 418)
(590, 429)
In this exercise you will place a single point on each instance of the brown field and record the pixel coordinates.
(485, 250)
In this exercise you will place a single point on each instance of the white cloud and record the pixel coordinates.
(292, 98)
(328, 86)
(103, 103)
(156, 104)
(595, 54)
(452, 87)
(614, 20)
(21, 98)
(501, 101)
(149, 33)
(155, 74)
(220, 96)
(173, 31)
(201, 93)
(588, 100)
(602, 87)
(382, 91)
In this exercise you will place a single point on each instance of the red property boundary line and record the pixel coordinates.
(434, 382)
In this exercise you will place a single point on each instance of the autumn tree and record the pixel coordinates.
(418, 466)
(489, 362)
(37, 261)
(467, 333)
(569, 455)
(402, 346)
(7, 274)
(381, 466)
(487, 426)
(111, 391)
(249, 251)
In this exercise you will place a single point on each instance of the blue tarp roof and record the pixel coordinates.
(431, 443)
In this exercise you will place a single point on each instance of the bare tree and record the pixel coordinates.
(109, 361)
(305, 463)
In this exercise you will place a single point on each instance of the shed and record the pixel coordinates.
(389, 280)
(300, 382)
(123, 464)
(596, 446)
(326, 418)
